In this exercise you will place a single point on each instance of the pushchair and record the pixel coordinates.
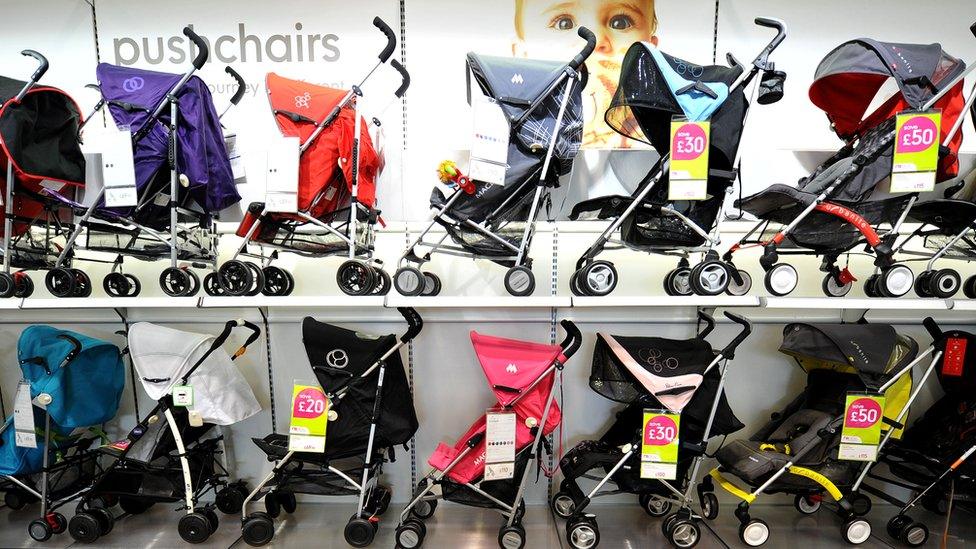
(524, 377)
(337, 174)
(370, 410)
(649, 220)
(75, 383)
(684, 377)
(843, 203)
(798, 452)
(39, 137)
(172, 454)
(542, 103)
(183, 179)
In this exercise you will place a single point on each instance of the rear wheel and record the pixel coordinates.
(709, 506)
(654, 505)
(40, 530)
(914, 535)
(684, 534)
(359, 532)
(23, 285)
(709, 278)
(410, 534)
(211, 286)
(258, 276)
(754, 533)
(781, 279)
(519, 281)
(83, 527)
(257, 530)
(740, 289)
(856, 531)
(7, 285)
(175, 282)
(276, 282)
(116, 284)
(355, 277)
(678, 282)
(944, 283)
(922, 284)
(271, 505)
(969, 288)
(896, 524)
(833, 288)
(511, 537)
(83, 284)
(598, 278)
(235, 278)
(408, 281)
(432, 285)
(563, 505)
(194, 528)
(383, 283)
(424, 509)
(807, 505)
(60, 282)
(583, 534)
(896, 281)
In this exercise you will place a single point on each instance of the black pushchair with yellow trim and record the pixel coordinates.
(798, 451)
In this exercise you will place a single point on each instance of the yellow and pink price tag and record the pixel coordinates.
(688, 171)
(309, 419)
(659, 445)
(916, 156)
(859, 439)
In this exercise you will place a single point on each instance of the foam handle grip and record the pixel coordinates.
(573, 338)
(240, 85)
(413, 319)
(585, 34)
(773, 23)
(709, 323)
(972, 29)
(933, 328)
(42, 64)
(204, 51)
(729, 350)
(390, 39)
(404, 75)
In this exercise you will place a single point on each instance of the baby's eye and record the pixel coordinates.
(620, 22)
(563, 22)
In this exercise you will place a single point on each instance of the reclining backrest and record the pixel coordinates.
(800, 430)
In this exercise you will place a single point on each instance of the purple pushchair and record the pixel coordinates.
(183, 179)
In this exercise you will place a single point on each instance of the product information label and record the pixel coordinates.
(281, 183)
(118, 173)
(688, 174)
(862, 427)
(499, 445)
(236, 159)
(24, 436)
(916, 157)
(309, 419)
(183, 395)
(489, 143)
(659, 445)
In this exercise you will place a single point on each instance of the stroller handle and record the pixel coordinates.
(229, 327)
(240, 85)
(585, 34)
(573, 339)
(729, 350)
(972, 29)
(779, 25)
(42, 64)
(203, 54)
(414, 320)
(933, 328)
(391, 39)
(404, 75)
(709, 323)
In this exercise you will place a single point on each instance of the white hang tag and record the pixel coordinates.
(281, 185)
(24, 417)
(183, 395)
(489, 142)
(236, 159)
(117, 169)
(499, 445)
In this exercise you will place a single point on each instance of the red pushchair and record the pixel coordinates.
(336, 190)
(524, 377)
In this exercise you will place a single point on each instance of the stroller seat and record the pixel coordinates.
(950, 215)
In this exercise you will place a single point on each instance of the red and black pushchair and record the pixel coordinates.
(337, 173)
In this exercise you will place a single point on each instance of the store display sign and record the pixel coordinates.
(309, 419)
(916, 157)
(659, 445)
(688, 175)
(499, 445)
(862, 427)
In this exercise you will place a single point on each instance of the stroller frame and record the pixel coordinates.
(411, 530)
(519, 280)
(710, 277)
(258, 528)
(361, 274)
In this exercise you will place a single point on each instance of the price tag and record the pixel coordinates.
(862, 427)
(183, 395)
(309, 419)
(236, 159)
(916, 157)
(24, 436)
(281, 186)
(688, 174)
(659, 445)
(499, 445)
(489, 146)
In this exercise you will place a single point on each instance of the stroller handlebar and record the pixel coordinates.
(390, 38)
(585, 34)
(573, 339)
(414, 320)
(204, 50)
(42, 64)
(240, 85)
(709, 323)
(933, 328)
(972, 29)
(729, 350)
(404, 75)
(762, 60)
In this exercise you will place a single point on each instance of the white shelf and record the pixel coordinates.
(292, 301)
(11, 303)
(112, 303)
(841, 303)
(479, 302)
(667, 301)
(962, 304)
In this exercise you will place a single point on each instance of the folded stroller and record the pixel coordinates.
(171, 116)
(172, 454)
(75, 383)
(524, 377)
(845, 200)
(797, 451)
(39, 138)
(542, 102)
(682, 376)
(337, 174)
(648, 220)
(370, 411)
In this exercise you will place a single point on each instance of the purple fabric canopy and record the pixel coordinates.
(202, 156)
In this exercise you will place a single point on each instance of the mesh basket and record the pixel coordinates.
(194, 243)
(646, 229)
(965, 246)
(305, 238)
(503, 490)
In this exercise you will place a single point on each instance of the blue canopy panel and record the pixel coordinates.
(697, 104)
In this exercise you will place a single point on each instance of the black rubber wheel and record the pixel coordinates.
(194, 528)
(60, 282)
(944, 283)
(135, 287)
(83, 284)
(914, 535)
(83, 527)
(258, 275)
(424, 509)
(359, 532)
(39, 530)
(230, 499)
(710, 278)
(257, 530)
(654, 506)
(860, 505)
(23, 285)
(969, 287)
(684, 534)
(583, 534)
(135, 506)
(667, 522)
(15, 499)
(432, 285)
(871, 286)
(235, 278)
(562, 505)
(289, 503)
(106, 520)
(408, 281)
(739, 289)
(896, 524)
(832, 288)
(379, 499)
(271, 505)
(806, 505)
(574, 285)
(194, 282)
(212, 518)
(57, 522)
(175, 282)
(276, 282)
(598, 278)
(355, 277)
(410, 534)
(511, 537)
(519, 281)
(680, 281)
(116, 284)
(7, 285)
(211, 285)
(922, 284)
(383, 283)
(709, 506)
(291, 283)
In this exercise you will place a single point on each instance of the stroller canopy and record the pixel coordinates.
(84, 376)
(298, 107)
(131, 95)
(512, 366)
(337, 356)
(40, 134)
(654, 87)
(162, 356)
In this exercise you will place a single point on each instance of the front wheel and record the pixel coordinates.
(409, 281)
(685, 534)
(709, 278)
(511, 537)
(781, 279)
(194, 528)
(754, 533)
(856, 531)
(563, 505)
(519, 281)
(355, 277)
(598, 278)
(738, 289)
(583, 535)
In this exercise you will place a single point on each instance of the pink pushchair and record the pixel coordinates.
(524, 377)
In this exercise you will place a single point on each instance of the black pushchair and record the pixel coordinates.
(654, 88)
(173, 454)
(542, 102)
(685, 377)
(370, 411)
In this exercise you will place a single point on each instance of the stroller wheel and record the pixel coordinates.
(519, 281)
(922, 284)
(680, 281)
(272, 505)
(194, 528)
(134, 506)
(291, 283)
(408, 281)
(276, 282)
(57, 522)
(562, 505)
(289, 503)
(574, 285)
(379, 500)
(60, 282)
(359, 532)
(235, 278)
(781, 279)
(258, 284)
(654, 505)
(684, 533)
(511, 537)
(754, 533)
(856, 531)
(896, 281)
(871, 286)
(194, 282)
(740, 289)
(15, 499)
(83, 527)
(935, 503)
(116, 284)
(230, 498)
(832, 288)
(134, 285)
(211, 285)
(969, 288)
(667, 523)
(212, 518)
(860, 505)
(424, 509)
(83, 285)
(709, 506)
(709, 278)
(257, 530)
(896, 524)
(807, 505)
(175, 282)
(598, 278)
(410, 534)
(432, 285)
(944, 283)
(39, 530)
(106, 520)
(7, 285)
(384, 283)
(583, 535)
(23, 285)
(355, 277)
(914, 535)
